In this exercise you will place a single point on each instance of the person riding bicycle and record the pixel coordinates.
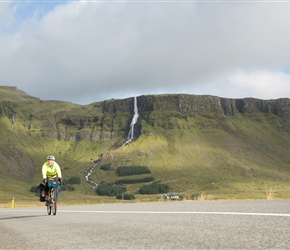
(51, 169)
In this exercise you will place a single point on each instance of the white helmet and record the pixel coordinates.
(50, 157)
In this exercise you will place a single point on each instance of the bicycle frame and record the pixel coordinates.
(51, 205)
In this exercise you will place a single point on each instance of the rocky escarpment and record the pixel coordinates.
(194, 103)
(111, 119)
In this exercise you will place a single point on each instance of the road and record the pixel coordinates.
(160, 225)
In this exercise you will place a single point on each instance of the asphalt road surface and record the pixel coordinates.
(161, 225)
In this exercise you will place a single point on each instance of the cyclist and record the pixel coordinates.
(51, 169)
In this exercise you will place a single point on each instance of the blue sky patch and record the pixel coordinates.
(37, 9)
(286, 69)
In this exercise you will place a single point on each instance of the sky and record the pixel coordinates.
(90, 51)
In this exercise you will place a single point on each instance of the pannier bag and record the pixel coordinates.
(41, 188)
(52, 183)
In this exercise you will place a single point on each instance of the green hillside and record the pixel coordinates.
(202, 147)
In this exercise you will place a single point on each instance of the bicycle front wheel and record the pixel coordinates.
(54, 207)
(48, 209)
(54, 202)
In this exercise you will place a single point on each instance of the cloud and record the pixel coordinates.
(91, 51)
(262, 84)
(6, 16)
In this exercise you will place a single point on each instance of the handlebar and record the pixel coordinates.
(52, 182)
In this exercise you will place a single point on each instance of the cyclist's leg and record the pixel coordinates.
(58, 191)
(46, 189)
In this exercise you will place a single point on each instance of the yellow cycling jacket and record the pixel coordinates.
(50, 171)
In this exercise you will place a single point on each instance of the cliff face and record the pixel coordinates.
(111, 119)
(192, 103)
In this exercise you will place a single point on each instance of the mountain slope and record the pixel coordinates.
(198, 145)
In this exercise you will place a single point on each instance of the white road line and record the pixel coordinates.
(175, 212)
(149, 212)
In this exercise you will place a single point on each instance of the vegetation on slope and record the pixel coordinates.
(205, 153)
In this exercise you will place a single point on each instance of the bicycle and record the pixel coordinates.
(51, 203)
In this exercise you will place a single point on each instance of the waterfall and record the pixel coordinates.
(130, 136)
(90, 172)
(134, 120)
(13, 120)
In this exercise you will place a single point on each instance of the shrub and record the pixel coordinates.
(125, 196)
(106, 167)
(74, 180)
(34, 189)
(134, 170)
(132, 181)
(154, 188)
(110, 190)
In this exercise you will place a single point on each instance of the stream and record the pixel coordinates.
(130, 137)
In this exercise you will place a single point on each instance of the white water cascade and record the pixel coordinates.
(13, 121)
(130, 136)
(90, 172)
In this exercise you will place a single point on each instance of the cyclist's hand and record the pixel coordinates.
(60, 180)
(44, 180)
